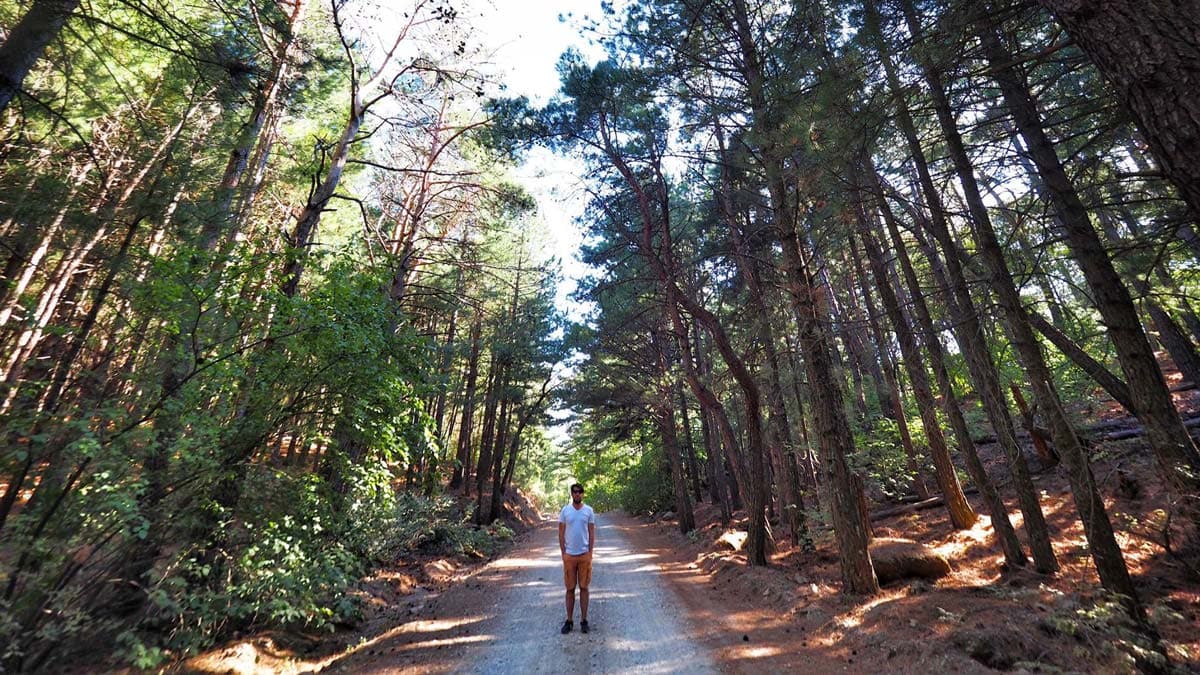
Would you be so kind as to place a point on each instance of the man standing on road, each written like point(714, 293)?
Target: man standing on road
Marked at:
point(576, 540)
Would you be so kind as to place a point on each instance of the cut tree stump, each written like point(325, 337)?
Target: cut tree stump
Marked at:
point(733, 540)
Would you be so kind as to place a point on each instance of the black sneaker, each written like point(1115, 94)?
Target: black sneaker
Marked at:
point(583, 627)
point(567, 625)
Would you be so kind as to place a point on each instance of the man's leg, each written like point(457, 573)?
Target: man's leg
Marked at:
point(584, 576)
point(571, 603)
point(571, 579)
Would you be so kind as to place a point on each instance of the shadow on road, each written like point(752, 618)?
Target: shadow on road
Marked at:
point(506, 619)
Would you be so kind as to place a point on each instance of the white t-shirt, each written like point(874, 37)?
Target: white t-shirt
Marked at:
point(577, 521)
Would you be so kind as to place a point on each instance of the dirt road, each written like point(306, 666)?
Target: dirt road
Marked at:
point(506, 619)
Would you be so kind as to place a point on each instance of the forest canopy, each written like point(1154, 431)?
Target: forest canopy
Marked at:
point(263, 287)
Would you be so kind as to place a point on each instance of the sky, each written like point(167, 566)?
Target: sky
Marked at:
point(523, 40)
point(526, 37)
point(515, 45)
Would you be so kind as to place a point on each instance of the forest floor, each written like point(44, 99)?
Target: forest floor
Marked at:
point(441, 616)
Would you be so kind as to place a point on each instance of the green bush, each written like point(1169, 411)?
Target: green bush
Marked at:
point(441, 525)
point(286, 560)
point(881, 456)
point(646, 486)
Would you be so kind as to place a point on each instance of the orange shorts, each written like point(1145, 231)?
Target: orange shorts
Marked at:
point(577, 569)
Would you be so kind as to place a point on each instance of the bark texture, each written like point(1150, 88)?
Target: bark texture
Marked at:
point(1176, 452)
point(1148, 50)
point(27, 41)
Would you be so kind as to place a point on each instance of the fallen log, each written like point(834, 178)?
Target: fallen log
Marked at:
point(1021, 434)
point(908, 508)
point(1107, 425)
point(1124, 435)
point(1134, 432)
point(928, 503)
point(1102, 431)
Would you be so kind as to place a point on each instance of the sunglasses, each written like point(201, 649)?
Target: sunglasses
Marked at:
point(576, 492)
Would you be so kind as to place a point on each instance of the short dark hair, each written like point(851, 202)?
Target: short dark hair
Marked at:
point(576, 486)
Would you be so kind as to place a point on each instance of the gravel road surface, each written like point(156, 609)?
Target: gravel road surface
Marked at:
point(634, 618)
point(506, 619)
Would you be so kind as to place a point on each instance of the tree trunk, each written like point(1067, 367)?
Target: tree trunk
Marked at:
point(834, 437)
point(462, 466)
point(496, 381)
point(1172, 337)
point(515, 448)
point(223, 224)
point(652, 200)
point(961, 513)
point(872, 358)
point(65, 285)
point(717, 484)
point(1147, 50)
point(839, 327)
point(1112, 385)
point(1177, 455)
point(13, 291)
point(103, 210)
point(749, 263)
point(318, 200)
point(445, 369)
point(756, 488)
point(1008, 297)
point(798, 396)
point(726, 436)
point(505, 425)
point(664, 417)
point(689, 444)
point(950, 404)
point(889, 373)
point(1181, 350)
point(1044, 452)
point(958, 299)
point(27, 41)
point(834, 443)
point(1104, 549)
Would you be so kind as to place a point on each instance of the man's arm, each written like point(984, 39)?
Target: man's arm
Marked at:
point(591, 537)
point(562, 537)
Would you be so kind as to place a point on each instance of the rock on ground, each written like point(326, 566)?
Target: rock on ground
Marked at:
point(906, 559)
